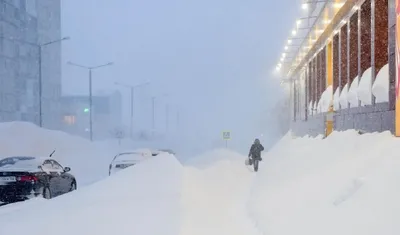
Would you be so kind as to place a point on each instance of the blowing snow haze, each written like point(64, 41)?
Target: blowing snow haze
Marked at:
point(213, 59)
point(185, 117)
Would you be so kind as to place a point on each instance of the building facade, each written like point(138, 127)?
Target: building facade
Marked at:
point(345, 65)
point(106, 115)
point(24, 24)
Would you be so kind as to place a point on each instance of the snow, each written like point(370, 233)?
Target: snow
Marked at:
point(317, 188)
point(88, 161)
point(214, 195)
point(126, 203)
point(352, 96)
point(380, 89)
point(18, 163)
point(336, 99)
point(344, 184)
point(364, 89)
point(304, 186)
point(326, 99)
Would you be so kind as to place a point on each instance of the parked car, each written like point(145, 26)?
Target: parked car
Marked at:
point(167, 151)
point(128, 159)
point(24, 177)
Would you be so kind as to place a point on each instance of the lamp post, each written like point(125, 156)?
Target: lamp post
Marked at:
point(90, 91)
point(40, 46)
point(153, 99)
point(132, 88)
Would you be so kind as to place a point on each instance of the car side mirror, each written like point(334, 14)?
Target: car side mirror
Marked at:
point(67, 169)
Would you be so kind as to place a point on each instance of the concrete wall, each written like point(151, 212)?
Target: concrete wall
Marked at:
point(376, 118)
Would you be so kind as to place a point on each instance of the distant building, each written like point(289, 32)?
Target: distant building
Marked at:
point(23, 25)
point(107, 115)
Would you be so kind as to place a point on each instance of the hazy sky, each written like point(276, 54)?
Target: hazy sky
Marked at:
point(213, 57)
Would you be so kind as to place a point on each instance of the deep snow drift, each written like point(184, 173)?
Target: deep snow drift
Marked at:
point(88, 161)
point(214, 195)
point(144, 199)
point(345, 184)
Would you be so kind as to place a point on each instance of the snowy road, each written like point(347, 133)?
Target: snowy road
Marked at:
point(222, 188)
point(301, 188)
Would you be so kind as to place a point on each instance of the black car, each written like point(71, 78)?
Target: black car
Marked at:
point(24, 177)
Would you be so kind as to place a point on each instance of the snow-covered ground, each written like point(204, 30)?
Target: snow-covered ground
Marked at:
point(345, 184)
point(144, 199)
point(88, 161)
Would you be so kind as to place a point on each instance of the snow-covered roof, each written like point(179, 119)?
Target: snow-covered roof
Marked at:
point(17, 163)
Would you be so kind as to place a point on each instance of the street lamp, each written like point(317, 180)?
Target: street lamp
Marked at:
point(90, 91)
point(153, 99)
point(40, 46)
point(132, 88)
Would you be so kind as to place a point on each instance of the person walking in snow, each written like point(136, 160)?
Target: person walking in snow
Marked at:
point(255, 150)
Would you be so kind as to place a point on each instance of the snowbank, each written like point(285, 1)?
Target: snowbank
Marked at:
point(144, 199)
point(345, 184)
point(89, 161)
point(214, 195)
point(213, 157)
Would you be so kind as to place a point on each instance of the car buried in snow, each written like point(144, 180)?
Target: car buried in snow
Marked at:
point(128, 158)
point(169, 151)
point(25, 177)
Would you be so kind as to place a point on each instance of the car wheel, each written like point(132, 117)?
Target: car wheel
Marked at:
point(46, 193)
point(73, 186)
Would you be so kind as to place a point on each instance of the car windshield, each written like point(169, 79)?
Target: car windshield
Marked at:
point(133, 156)
point(19, 162)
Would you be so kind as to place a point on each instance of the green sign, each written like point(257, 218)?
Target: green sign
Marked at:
point(226, 135)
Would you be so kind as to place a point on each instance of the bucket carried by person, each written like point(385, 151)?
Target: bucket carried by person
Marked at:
point(248, 162)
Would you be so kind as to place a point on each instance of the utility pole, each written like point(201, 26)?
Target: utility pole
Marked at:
point(132, 100)
point(167, 118)
point(177, 119)
point(90, 91)
point(132, 90)
point(40, 88)
point(153, 111)
point(90, 105)
point(40, 46)
point(153, 99)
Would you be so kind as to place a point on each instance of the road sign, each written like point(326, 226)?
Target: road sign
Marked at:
point(226, 135)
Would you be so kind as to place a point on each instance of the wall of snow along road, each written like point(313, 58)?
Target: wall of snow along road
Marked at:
point(144, 199)
point(89, 161)
point(345, 184)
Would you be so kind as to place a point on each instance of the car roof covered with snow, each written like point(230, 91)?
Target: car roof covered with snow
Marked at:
point(167, 151)
point(144, 151)
point(22, 163)
point(130, 157)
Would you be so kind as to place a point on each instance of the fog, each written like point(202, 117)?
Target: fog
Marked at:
point(214, 59)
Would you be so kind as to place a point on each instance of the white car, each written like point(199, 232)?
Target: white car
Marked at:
point(127, 159)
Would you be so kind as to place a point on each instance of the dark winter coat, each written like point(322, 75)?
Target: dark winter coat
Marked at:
point(255, 150)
